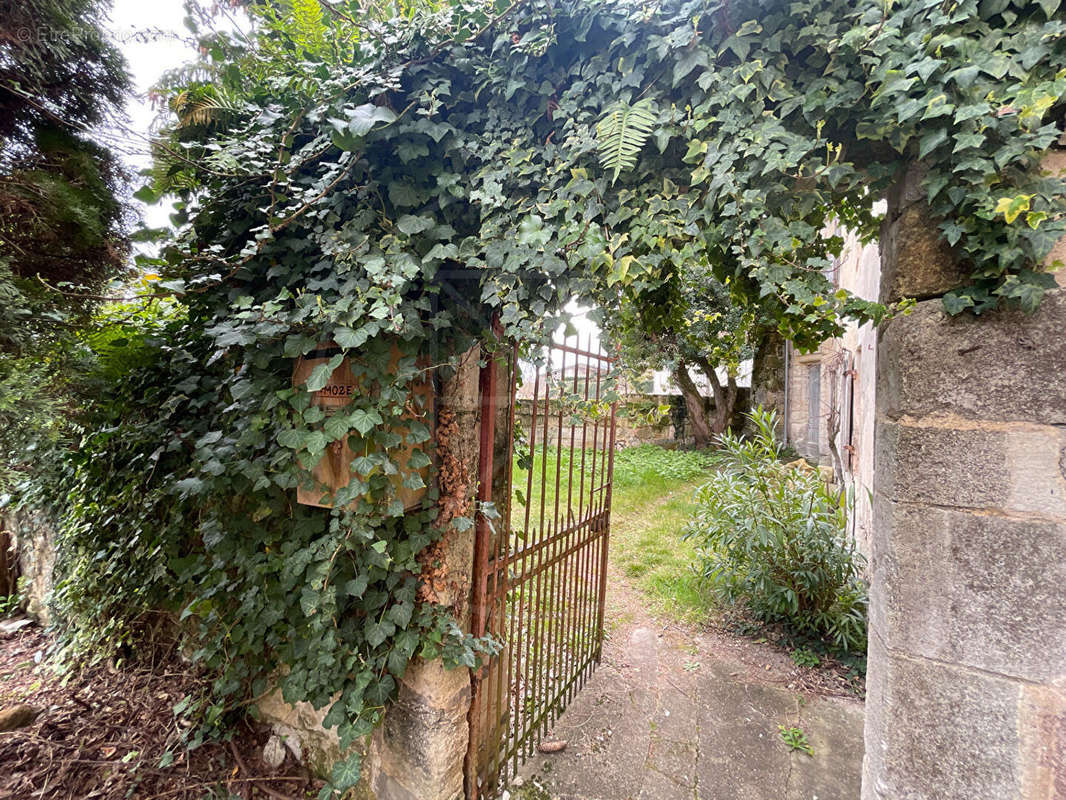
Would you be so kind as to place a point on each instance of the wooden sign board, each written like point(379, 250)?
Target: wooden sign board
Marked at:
point(333, 471)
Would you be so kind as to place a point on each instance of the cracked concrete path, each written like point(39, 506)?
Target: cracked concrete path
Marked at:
point(671, 714)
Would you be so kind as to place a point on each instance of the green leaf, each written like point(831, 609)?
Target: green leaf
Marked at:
point(930, 141)
point(1011, 207)
point(147, 194)
point(375, 633)
point(621, 134)
point(1050, 7)
point(411, 225)
point(401, 614)
point(346, 773)
point(418, 460)
point(356, 587)
point(349, 338)
point(336, 715)
point(365, 421)
point(321, 374)
point(363, 118)
point(336, 426)
point(292, 438)
point(402, 194)
point(955, 302)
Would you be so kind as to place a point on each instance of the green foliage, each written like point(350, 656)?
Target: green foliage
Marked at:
point(795, 738)
point(804, 657)
point(61, 216)
point(390, 176)
point(646, 462)
point(775, 538)
point(622, 133)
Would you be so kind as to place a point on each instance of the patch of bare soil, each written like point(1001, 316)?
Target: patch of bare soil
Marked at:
point(104, 734)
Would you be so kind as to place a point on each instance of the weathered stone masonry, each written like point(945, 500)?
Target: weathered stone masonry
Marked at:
point(966, 693)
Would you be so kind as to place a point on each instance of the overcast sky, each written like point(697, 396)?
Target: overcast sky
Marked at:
point(153, 40)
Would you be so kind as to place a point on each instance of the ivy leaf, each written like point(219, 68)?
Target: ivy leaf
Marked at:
point(336, 426)
point(364, 117)
point(375, 633)
point(531, 231)
point(1011, 207)
point(930, 141)
point(1034, 218)
point(189, 486)
point(336, 715)
point(418, 460)
point(365, 421)
point(350, 338)
point(1028, 293)
point(346, 773)
point(1050, 7)
point(321, 374)
point(955, 302)
point(411, 225)
point(401, 614)
point(402, 194)
point(356, 587)
point(292, 438)
point(315, 442)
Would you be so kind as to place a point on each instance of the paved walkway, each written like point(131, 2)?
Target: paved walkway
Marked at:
point(672, 715)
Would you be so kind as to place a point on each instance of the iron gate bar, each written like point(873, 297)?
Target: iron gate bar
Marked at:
point(541, 588)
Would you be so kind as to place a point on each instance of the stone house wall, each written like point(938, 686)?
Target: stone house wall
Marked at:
point(966, 692)
point(843, 370)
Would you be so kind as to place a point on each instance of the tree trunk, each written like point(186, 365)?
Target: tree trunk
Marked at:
point(725, 397)
point(694, 405)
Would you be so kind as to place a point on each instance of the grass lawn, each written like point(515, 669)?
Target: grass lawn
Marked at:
point(652, 500)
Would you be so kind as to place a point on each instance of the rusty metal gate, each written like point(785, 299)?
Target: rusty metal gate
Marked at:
point(540, 569)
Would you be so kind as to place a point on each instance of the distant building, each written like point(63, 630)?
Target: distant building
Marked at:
point(829, 395)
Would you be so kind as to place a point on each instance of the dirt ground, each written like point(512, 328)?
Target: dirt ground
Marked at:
point(110, 734)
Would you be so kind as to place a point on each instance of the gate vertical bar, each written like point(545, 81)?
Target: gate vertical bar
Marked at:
point(540, 577)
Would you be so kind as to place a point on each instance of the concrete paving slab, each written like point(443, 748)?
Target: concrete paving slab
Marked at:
point(663, 719)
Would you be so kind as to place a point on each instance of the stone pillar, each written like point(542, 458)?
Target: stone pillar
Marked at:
point(966, 693)
point(419, 750)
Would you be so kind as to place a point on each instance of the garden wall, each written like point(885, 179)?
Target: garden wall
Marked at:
point(33, 541)
point(418, 752)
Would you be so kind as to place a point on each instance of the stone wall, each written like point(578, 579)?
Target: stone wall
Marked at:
point(966, 694)
point(768, 376)
point(33, 540)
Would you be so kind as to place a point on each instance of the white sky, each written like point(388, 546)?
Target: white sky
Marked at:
point(153, 40)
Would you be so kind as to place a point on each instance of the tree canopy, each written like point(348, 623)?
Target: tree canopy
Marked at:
point(62, 218)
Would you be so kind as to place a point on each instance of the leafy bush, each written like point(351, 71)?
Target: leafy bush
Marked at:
point(774, 538)
point(647, 461)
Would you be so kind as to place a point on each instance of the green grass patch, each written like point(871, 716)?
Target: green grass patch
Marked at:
point(647, 547)
point(652, 500)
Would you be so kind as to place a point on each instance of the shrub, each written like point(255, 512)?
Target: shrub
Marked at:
point(774, 538)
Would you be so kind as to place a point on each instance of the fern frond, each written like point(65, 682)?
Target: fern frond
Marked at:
point(622, 133)
point(204, 105)
point(308, 26)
